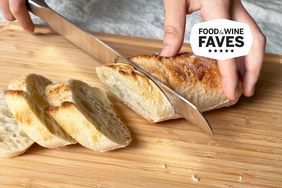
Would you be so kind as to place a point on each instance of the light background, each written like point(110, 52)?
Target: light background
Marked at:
point(144, 18)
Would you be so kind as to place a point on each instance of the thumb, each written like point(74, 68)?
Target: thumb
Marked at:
point(174, 27)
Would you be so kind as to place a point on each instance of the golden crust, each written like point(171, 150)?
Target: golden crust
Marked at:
point(125, 70)
point(23, 116)
point(67, 104)
point(56, 90)
point(50, 109)
point(196, 78)
point(182, 69)
point(53, 109)
point(14, 92)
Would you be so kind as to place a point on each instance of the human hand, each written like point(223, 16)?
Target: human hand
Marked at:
point(248, 66)
point(16, 10)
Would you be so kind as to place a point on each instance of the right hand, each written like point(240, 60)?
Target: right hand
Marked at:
point(16, 10)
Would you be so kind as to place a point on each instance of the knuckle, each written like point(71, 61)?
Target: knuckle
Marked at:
point(259, 37)
point(172, 35)
point(171, 30)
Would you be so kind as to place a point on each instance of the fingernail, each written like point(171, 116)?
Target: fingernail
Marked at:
point(165, 51)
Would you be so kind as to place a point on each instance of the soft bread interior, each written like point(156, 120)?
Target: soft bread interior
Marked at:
point(96, 106)
point(98, 127)
point(136, 91)
point(26, 100)
point(13, 141)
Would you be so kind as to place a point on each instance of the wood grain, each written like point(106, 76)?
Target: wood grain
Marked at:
point(246, 150)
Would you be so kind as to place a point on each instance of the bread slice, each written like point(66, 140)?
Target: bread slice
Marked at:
point(136, 91)
point(13, 141)
point(87, 115)
point(26, 101)
point(196, 78)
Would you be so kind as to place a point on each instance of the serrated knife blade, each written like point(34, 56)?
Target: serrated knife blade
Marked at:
point(105, 54)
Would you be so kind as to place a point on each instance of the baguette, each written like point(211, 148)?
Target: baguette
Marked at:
point(13, 141)
point(87, 115)
point(196, 78)
point(26, 100)
point(136, 91)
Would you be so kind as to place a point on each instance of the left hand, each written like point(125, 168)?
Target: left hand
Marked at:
point(249, 66)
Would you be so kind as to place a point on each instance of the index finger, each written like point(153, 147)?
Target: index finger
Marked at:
point(175, 17)
point(20, 12)
point(4, 5)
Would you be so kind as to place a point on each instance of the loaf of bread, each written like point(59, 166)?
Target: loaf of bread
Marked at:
point(26, 100)
point(196, 78)
point(13, 141)
point(87, 115)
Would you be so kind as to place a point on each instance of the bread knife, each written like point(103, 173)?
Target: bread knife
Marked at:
point(105, 54)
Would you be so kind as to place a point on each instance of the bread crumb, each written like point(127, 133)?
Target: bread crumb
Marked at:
point(195, 178)
point(240, 178)
point(164, 166)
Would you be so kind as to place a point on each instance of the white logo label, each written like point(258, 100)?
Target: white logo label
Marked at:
point(221, 39)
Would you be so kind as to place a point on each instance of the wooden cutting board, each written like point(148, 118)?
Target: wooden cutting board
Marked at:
point(246, 150)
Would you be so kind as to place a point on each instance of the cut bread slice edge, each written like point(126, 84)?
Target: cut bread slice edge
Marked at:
point(87, 115)
point(26, 100)
point(136, 91)
point(13, 141)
